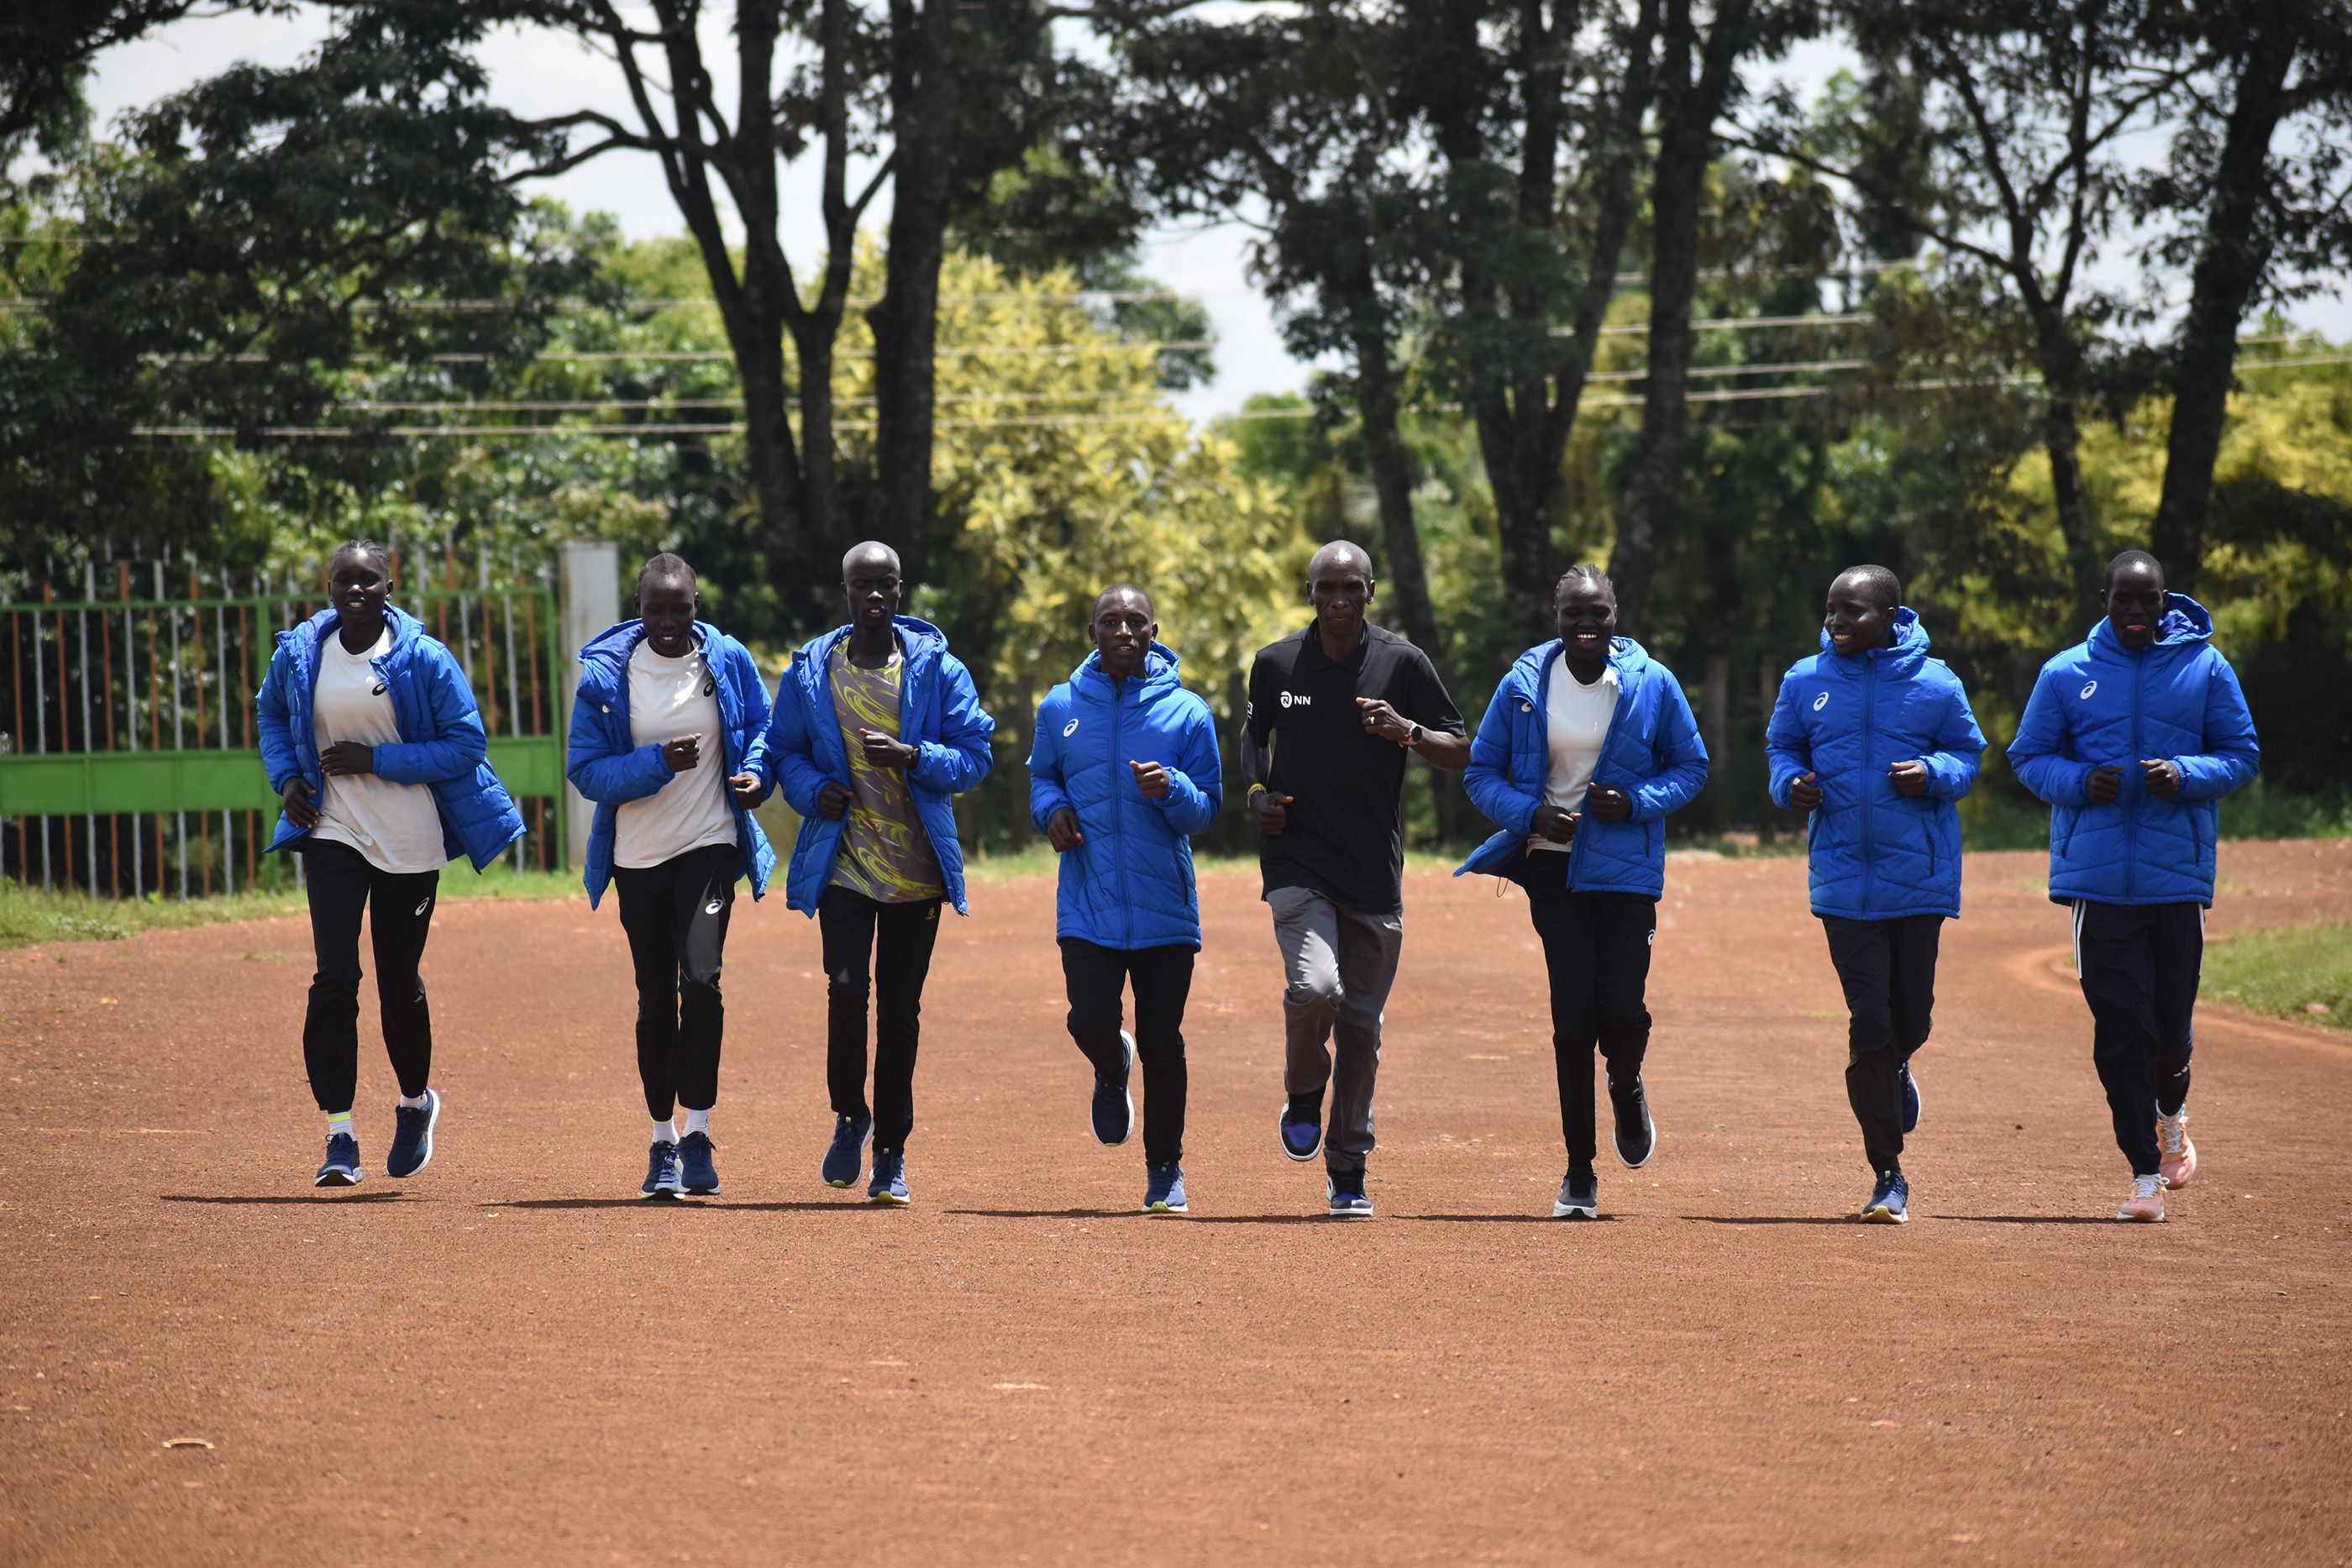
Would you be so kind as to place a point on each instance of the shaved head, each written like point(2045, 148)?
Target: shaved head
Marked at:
point(871, 553)
point(1115, 589)
point(2136, 563)
point(1876, 582)
point(1340, 556)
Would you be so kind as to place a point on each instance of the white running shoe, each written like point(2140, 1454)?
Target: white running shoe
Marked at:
point(2179, 1161)
point(2145, 1204)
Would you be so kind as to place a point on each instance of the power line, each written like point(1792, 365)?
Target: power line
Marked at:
point(665, 356)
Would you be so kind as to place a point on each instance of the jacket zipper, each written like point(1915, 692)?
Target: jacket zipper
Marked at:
point(1869, 761)
point(2131, 816)
point(1118, 814)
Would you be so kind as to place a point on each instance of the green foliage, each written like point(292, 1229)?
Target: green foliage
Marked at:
point(2284, 973)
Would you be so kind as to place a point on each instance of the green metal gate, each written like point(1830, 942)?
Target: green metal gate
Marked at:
point(129, 764)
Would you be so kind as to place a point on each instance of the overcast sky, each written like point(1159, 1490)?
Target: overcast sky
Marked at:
point(546, 73)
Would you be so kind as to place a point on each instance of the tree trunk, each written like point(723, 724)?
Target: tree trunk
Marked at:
point(1392, 466)
point(905, 321)
point(2230, 265)
point(2062, 438)
point(1646, 515)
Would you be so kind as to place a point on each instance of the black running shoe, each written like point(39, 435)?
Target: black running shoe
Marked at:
point(696, 1172)
point(1579, 1197)
point(661, 1171)
point(342, 1166)
point(411, 1136)
point(1345, 1190)
point(1910, 1086)
point(1302, 1126)
point(848, 1150)
point(1637, 1134)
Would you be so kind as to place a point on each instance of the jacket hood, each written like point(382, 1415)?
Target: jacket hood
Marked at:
point(405, 628)
point(921, 639)
point(1625, 656)
point(2184, 622)
point(608, 653)
point(1159, 671)
point(1908, 649)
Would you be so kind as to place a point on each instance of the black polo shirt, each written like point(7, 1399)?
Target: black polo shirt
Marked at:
point(1345, 837)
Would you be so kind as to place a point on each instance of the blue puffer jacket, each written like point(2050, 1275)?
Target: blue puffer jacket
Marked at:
point(1129, 884)
point(1652, 752)
point(1875, 854)
point(441, 742)
point(607, 768)
point(2100, 702)
point(803, 751)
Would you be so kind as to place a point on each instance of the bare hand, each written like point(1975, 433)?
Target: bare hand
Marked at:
point(1062, 830)
point(1555, 823)
point(1608, 803)
point(1272, 811)
point(2106, 785)
point(833, 801)
point(881, 751)
point(1151, 778)
point(1384, 721)
point(1805, 794)
point(677, 756)
point(300, 810)
point(748, 789)
point(2161, 775)
point(1910, 778)
point(348, 758)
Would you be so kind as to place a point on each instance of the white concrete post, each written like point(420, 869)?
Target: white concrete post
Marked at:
point(592, 602)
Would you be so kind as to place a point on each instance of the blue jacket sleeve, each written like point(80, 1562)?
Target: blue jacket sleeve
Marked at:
point(1487, 779)
point(1047, 791)
point(752, 693)
point(2038, 756)
point(959, 758)
point(1196, 778)
point(1959, 749)
point(2231, 756)
point(1786, 751)
point(607, 776)
point(783, 755)
point(270, 715)
point(1682, 754)
point(459, 744)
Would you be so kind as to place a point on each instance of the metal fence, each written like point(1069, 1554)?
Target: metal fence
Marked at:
point(129, 764)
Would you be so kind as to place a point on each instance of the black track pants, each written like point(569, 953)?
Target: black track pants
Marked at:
point(341, 887)
point(676, 915)
point(2140, 964)
point(1888, 970)
point(1597, 952)
point(1095, 978)
point(892, 943)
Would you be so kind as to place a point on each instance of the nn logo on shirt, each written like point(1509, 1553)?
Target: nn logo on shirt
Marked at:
point(1296, 699)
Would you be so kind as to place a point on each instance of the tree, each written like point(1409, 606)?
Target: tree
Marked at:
point(45, 54)
point(2254, 220)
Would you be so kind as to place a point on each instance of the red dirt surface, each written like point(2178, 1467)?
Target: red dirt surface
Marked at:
point(509, 1359)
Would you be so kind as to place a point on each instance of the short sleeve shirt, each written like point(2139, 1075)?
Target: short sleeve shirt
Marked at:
point(670, 699)
point(884, 853)
point(1345, 836)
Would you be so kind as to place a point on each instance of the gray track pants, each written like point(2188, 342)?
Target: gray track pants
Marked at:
point(1338, 964)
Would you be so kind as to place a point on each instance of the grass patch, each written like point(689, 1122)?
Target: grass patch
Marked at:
point(28, 914)
point(2284, 972)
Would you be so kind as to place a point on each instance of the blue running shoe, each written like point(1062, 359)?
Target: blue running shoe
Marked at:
point(1347, 1194)
point(661, 1171)
point(1302, 1127)
point(696, 1171)
point(889, 1183)
point(1580, 1197)
point(1114, 1108)
point(1888, 1200)
point(342, 1166)
point(1910, 1099)
point(1164, 1190)
point(412, 1139)
point(848, 1151)
point(1637, 1134)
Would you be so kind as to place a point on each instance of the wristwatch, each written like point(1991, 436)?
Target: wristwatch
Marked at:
point(1413, 736)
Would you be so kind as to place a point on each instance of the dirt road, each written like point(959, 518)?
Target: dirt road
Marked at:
point(508, 1359)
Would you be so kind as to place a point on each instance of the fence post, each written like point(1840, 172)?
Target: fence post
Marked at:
point(592, 602)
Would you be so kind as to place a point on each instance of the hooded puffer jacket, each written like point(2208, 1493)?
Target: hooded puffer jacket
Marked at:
point(1130, 884)
point(803, 751)
point(607, 768)
point(1652, 752)
point(2100, 702)
point(1875, 854)
point(441, 743)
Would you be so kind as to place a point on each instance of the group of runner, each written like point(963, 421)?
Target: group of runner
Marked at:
point(371, 736)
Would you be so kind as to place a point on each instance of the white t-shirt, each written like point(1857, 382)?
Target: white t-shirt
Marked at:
point(670, 699)
point(395, 827)
point(1576, 721)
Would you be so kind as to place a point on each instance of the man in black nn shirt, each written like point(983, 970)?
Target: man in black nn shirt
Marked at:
point(1332, 711)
